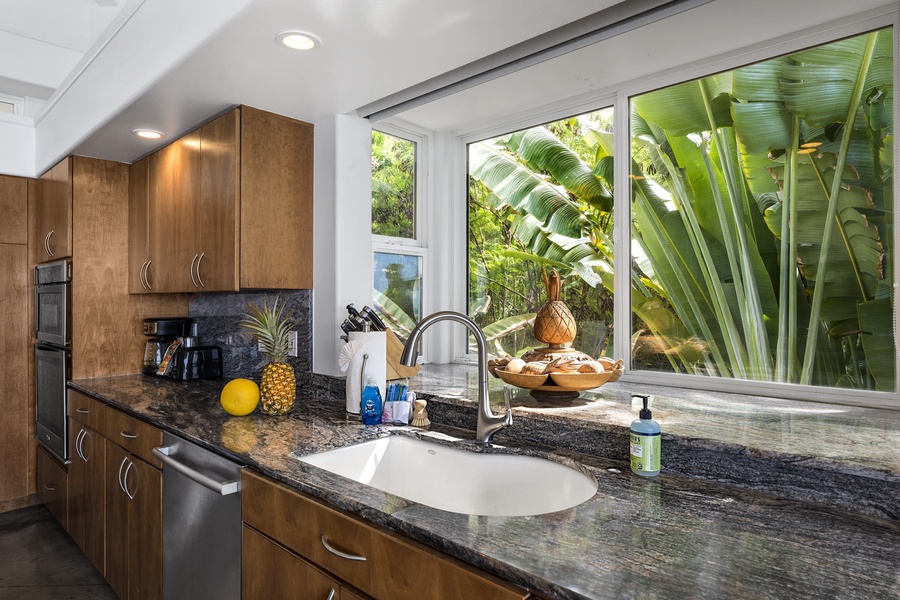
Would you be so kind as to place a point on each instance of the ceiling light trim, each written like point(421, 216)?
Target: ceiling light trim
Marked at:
point(298, 40)
point(148, 134)
point(607, 23)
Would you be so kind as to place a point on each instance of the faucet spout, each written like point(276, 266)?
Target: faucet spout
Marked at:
point(488, 423)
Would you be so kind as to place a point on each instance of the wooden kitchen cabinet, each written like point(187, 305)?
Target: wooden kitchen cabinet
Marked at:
point(269, 570)
point(52, 480)
point(115, 496)
point(133, 526)
point(226, 207)
point(53, 213)
point(386, 566)
point(87, 492)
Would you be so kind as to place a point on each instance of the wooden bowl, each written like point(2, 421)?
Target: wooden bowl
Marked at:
point(580, 381)
point(529, 382)
point(615, 375)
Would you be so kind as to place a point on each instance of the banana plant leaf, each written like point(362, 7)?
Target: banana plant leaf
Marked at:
point(543, 150)
point(681, 109)
point(498, 329)
point(876, 320)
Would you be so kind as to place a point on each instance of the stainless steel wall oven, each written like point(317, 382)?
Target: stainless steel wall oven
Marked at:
point(52, 353)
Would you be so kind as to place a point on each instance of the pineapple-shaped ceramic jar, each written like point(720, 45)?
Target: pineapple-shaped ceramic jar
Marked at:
point(271, 328)
point(554, 324)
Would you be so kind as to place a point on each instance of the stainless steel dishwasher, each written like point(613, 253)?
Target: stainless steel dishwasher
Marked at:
point(201, 522)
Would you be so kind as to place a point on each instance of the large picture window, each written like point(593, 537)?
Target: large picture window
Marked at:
point(763, 220)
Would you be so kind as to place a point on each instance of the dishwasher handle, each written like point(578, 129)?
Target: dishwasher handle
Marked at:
point(220, 487)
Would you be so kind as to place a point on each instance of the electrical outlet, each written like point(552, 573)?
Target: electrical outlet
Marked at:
point(292, 344)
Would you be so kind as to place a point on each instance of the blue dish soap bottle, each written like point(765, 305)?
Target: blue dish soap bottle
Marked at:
point(645, 438)
point(371, 402)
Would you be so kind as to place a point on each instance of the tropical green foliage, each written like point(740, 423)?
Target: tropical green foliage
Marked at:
point(393, 186)
point(762, 219)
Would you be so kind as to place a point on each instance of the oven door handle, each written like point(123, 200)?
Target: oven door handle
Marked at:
point(163, 454)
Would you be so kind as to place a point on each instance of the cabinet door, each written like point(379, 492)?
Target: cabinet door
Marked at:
point(276, 204)
point(216, 268)
point(174, 189)
point(52, 480)
point(53, 213)
point(269, 570)
point(117, 505)
point(87, 492)
point(140, 267)
point(144, 484)
point(133, 526)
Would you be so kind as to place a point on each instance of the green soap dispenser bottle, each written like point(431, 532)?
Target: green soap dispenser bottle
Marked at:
point(644, 442)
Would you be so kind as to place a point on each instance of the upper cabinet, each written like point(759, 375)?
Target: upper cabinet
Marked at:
point(226, 207)
point(53, 208)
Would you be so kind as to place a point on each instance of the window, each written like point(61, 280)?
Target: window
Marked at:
point(734, 181)
point(397, 228)
point(540, 200)
point(763, 220)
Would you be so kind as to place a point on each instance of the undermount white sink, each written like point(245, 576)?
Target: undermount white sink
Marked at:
point(472, 483)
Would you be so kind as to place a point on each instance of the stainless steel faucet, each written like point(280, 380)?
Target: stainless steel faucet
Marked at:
point(488, 422)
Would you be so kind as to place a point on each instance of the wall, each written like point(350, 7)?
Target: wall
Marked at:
point(218, 318)
point(342, 271)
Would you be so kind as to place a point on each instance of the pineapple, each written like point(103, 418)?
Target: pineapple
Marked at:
point(554, 323)
point(271, 329)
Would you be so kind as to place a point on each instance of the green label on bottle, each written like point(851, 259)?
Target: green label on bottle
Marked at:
point(645, 451)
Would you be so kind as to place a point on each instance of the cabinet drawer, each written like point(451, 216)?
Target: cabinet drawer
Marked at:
point(385, 566)
point(85, 409)
point(52, 482)
point(132, 434)
point(271, 571)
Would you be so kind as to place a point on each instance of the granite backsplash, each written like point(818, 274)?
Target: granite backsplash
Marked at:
point(218, 316)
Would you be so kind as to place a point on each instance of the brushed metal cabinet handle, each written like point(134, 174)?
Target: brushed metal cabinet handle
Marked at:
point(337, 552)
point(125, 480)
point(147, 274)
point(47, 244)
point(49, 487)
point(82, 411)
point(121, 466)
point(330, 595)
point(49, 247)
point(191, 270)
point(127, 435)
point(141, 275)
point(200, 260)
point(78, 440)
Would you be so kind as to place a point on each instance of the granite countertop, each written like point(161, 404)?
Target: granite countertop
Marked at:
point(694, 531)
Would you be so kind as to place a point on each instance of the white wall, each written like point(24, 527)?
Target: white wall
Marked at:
point(16, 146)
point(342, 238)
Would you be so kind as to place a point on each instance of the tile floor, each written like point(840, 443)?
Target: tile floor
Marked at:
point(39, 561)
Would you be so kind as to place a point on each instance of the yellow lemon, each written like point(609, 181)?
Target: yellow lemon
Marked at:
point(240, 397)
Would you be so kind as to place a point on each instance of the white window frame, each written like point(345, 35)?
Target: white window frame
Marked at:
point(417, 246)
point(619, 97)
point(16, 101)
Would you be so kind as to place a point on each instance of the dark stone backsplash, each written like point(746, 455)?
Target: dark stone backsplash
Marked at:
point(218, 316)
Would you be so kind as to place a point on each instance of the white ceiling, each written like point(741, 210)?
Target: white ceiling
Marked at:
point(171, 64)
point(370, 49)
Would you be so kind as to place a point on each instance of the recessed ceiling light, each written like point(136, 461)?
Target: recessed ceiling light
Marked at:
point(148, 134)
point(298, 40)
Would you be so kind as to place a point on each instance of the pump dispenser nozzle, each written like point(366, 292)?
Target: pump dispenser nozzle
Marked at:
point(645, 412)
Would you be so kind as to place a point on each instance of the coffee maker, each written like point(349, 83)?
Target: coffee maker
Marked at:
point(161, 335)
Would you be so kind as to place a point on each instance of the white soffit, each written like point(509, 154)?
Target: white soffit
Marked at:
point(668, 46)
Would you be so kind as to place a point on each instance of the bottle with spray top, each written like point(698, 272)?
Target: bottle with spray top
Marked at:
point(644, 442)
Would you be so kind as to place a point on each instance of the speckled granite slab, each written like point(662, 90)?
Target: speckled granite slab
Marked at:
point(670, 537)
point(843, 456)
